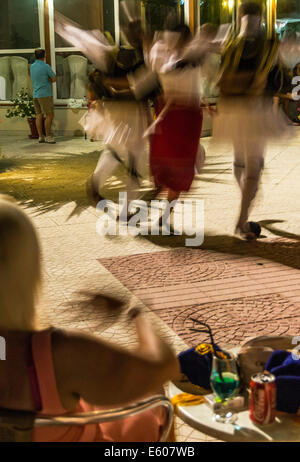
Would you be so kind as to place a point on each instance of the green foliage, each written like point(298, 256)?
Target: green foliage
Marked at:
point(22, 106)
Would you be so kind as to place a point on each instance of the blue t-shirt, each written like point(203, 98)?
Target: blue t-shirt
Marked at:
point(40, 73)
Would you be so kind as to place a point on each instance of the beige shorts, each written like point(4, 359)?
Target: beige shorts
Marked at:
point(43, 105)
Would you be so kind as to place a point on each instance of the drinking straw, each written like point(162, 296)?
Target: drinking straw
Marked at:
point(206, 331)
point(211, 339)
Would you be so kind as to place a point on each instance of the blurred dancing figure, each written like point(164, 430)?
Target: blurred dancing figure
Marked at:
point(120, 120)
point(246, 116)
point(181, 63)
point(175, 141)
point(121, 114)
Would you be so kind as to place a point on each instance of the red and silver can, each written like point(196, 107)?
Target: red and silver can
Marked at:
point(262, 398)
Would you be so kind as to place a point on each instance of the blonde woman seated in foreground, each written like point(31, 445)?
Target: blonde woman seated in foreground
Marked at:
point(57, 371)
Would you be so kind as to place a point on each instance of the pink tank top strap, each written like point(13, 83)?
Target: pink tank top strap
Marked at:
point(43, 383)
point(44, 370)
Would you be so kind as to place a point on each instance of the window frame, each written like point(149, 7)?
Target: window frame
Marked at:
point(23, 51)
point(54, 50)
point(186, 11)
point(47, 32)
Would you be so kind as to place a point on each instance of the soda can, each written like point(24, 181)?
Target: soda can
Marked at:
point(262, 398)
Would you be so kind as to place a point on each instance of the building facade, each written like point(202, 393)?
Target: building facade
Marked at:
point(29, 24)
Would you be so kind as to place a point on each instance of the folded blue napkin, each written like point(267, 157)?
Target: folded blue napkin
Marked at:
point(286, 368)
point(196, 364)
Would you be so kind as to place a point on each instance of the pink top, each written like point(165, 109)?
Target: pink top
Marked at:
point(141, 428)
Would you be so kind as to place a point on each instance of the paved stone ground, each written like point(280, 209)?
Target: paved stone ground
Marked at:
point(240, 297)
point(254, 287)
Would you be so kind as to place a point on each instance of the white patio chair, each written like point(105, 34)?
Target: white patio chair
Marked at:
point(5, 73)
point(62, 78)
point(78, 73)
point(19, 67)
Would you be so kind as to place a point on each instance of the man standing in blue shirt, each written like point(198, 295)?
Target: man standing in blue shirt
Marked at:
point(42, 77)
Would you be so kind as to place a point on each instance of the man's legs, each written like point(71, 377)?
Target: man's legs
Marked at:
point(48, 109)
point(39, 119)
point(39, 125)
point(48, 123)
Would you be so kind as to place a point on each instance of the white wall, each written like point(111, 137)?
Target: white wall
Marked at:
point(66, 122)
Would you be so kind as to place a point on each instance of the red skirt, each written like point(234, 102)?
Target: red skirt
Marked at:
point(174, 146)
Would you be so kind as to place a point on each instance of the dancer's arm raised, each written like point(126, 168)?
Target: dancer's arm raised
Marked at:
point(105, 374)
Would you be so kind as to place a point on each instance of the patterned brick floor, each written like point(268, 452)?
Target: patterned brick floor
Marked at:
point(239, 296)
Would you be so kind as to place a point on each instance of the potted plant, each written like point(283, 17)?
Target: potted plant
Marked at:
point(23, 107)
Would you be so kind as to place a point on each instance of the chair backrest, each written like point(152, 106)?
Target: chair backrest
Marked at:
point(5, 65)
point(18, 62)
point(77, 59)
point(17, 426)
point(5, 78)
point(19, 68)
point(59, 65)
point(78, 65)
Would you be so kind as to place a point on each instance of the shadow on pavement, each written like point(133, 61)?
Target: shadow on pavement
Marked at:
point(48, 183)
point(284, 250)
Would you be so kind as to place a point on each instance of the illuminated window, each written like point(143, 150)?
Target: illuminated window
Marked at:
point(21, 32)
point(71, 67)
point(19, 24)
point(288, 9)
point(216, 11)
point(87, 13)
point(288, 18)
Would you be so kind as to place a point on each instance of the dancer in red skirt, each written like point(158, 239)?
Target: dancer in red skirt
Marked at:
point(175, 142)
point(174, 148)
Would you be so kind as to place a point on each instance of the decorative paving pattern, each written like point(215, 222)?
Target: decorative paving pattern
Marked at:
point(236, 320)
point(240, 296)
point(202, 266)
point(172, 266)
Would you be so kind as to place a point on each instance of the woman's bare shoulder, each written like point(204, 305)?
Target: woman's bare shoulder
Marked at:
point(74, 357)
point(88, 367)
point(75, 350)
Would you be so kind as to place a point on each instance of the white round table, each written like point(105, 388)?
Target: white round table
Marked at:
point(285, 428)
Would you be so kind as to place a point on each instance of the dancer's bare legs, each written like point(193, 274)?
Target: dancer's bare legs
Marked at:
point(247, 168)
point(171, 197)
point(106, 166)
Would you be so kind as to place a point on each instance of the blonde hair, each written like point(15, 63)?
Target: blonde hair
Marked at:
point(20, 271)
